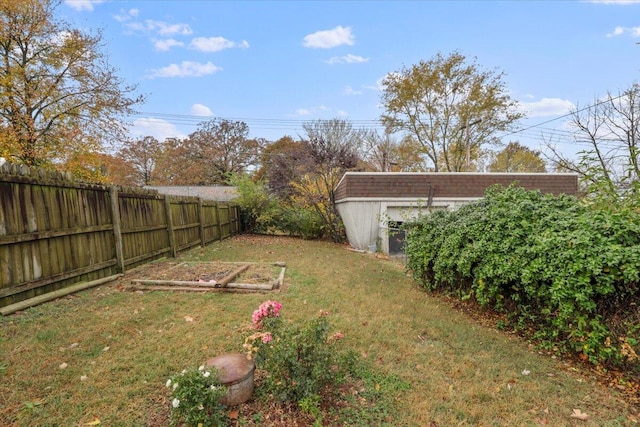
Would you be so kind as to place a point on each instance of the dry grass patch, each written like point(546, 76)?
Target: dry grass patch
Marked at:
point(120, 347)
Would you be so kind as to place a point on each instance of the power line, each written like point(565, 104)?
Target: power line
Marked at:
point(604, 101)
point(367, 124)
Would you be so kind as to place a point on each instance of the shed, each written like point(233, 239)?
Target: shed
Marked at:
point(373, 205)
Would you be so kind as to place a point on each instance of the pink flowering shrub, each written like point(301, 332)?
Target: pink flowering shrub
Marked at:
point(267, 309)
point(298, 360)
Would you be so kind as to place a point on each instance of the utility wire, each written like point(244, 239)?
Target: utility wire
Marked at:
point(367, 124)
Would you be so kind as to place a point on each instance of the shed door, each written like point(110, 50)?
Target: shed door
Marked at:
point(396, 238)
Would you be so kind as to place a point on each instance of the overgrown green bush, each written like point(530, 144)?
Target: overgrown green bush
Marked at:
point(566, 270)
point(263, 213)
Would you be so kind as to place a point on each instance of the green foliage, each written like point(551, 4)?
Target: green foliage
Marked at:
point(256, 206)
point(302, 364)
point(567, 270)
point(195, 398)
point(298, 221)
point(300, 360)
point(264, 214)
point(516, 157)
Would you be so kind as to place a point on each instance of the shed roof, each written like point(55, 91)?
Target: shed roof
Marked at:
point(380, 185)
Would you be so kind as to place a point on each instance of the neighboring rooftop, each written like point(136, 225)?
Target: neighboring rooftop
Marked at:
point(217, 193)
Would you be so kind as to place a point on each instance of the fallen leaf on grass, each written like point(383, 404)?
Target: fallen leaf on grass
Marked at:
point(63, 365)
point(93, 423)
point(578, 414)
point(188, 318)
point(233, 414)
point(526, 372)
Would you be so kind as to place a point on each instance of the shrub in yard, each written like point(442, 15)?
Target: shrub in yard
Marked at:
point(299, 361)
point(263, 213)
point(257, 207)
point(195, 398)
point(298, 221)
point(569, 271)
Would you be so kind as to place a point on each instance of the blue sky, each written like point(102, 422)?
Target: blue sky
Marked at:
point(276, 65)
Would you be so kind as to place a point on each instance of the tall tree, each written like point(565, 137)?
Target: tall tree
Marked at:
point(220, 148)
point(383, 153)
point(610, 129)
point(450, 106)
point(516, 157)
point(334, 147)
point(56, 86)
point(283, 162)
point(142, 154)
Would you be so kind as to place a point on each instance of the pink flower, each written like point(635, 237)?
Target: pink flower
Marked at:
point(266, 309)
point(266, 338)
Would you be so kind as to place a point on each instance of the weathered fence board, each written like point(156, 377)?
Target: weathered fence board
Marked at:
point(55, 232)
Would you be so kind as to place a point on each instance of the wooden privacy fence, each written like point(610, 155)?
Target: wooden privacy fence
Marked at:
point(55, 232)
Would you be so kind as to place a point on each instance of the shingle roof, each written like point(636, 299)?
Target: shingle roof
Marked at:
point(453, 184)
point(217, 193)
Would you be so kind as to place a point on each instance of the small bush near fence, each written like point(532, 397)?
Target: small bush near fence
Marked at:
point(564, 271)
point(262, 213)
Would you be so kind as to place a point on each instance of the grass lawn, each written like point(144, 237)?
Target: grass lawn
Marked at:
point(104, 355)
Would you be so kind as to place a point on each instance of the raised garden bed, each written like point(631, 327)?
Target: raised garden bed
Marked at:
point(215, 276)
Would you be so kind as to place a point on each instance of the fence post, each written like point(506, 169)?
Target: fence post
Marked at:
point(117, 228)
point(219, 221)
point(167, 208)
point(236, 209)
point(201, 218)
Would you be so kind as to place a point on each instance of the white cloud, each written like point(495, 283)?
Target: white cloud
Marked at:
point(165, 29)
point(126, 15)
point(547, 107)
point(165, 45)
point(318, 110)
point(215, 44)
point(201, 110)
point(618, 31)
point(342, 113)
point(329, 38)
point(158, 128)
point(160, 27)
point(185, 69)
point(348, 90)
point(81, 5)
point(379, 87)
point(347, 59)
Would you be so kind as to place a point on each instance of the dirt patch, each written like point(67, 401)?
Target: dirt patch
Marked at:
point(214, 276)
point(216, 271)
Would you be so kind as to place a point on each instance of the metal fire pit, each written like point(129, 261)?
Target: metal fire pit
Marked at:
point(235, 372)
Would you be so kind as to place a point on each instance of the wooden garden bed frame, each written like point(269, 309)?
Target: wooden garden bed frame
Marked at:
point(226, 284)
